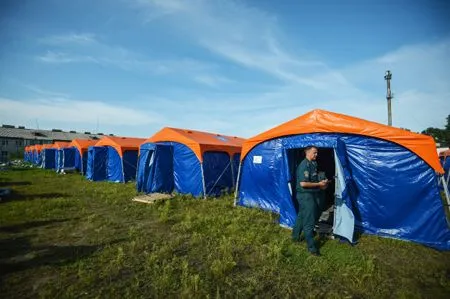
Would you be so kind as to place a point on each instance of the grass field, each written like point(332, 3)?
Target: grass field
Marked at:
point(62, 236)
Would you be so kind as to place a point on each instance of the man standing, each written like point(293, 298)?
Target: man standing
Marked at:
point(308, 188)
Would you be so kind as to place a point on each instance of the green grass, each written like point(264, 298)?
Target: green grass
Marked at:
point(62, 236)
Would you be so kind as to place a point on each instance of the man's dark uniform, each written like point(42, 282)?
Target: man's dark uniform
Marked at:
point(307, 201)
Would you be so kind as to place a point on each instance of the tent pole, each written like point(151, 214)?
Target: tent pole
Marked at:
point(203, 181)
point(63, 160)
point(232, 171)
point(123, 171)
point(237, 184)
point(447, 196)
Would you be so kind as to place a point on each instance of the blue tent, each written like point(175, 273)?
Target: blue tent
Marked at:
point(65, 158)
point(49, 158)
point(113, 159)
point(444, 158)
point(386, 182)
point(188, 162)
point(36, 155)
point(81, 147)
point(26, 154)
point(96, 163)
point(155, 168)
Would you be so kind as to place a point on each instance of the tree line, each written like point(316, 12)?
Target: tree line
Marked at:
point(441, 136)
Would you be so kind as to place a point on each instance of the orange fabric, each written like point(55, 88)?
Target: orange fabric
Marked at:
point(199, 142)
point(82, 145)
point(121, 144)
point(49, 145)
point(320, 121)
point(37, 148)
point(60, 144)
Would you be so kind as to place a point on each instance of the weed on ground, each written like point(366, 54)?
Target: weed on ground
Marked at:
point(62, 236)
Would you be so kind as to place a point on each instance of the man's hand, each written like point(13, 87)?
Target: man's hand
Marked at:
point(323, 184)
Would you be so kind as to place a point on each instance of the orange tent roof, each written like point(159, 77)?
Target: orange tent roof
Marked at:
point(48, 145)
point(60, 144)
point(121, 144)
point(199, 142)
point(82, 144)
point(321, 121)
point(37, 147)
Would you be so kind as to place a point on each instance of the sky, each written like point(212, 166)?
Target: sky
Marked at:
point(235, 67)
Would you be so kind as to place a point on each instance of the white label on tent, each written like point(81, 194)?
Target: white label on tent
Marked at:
point(257, 159)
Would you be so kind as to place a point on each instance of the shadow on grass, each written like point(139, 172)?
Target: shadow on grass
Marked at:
point(26, 256)
point(15, 196)
point(11, 184)
point(22, 168)
point(17, 228)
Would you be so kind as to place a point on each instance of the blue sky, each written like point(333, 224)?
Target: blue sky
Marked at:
point(131, 67)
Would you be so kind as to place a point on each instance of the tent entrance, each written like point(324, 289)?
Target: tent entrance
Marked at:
point(155, 169)
point(326, 167)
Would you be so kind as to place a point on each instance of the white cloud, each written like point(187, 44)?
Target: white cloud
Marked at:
point(212, 80)
point(242, 34)
point(66, 111)
point(71, 38)
point(250, 38)
point(87, 48)
point(60, 57)
point(43, 92)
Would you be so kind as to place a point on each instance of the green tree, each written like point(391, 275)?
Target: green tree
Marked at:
point(441, 136)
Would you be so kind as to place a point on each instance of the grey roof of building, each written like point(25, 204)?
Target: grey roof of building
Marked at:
point(44, 134)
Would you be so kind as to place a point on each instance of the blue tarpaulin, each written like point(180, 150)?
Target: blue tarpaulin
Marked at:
point(129, 162)
point(114, 169)
point(65, 158)
point(156, 174)
point(217, 172)
point(187, 172)
point(394, 193)
point(155, 168)
point(97, 163)
point(235, 165)
point(77, 160)
point(49, 158)
point(84, 160)
point(105, 163)
point(37, 157)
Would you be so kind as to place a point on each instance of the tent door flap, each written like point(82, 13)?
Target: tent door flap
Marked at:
point(344, 222)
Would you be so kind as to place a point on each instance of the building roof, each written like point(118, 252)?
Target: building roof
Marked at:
point(321, 121)
point(199, 142)
point(8, 132)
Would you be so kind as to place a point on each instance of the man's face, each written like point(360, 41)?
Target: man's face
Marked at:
point(312, 154)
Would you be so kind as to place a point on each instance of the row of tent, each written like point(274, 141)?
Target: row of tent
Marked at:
point(185, 161)
point(387, 181)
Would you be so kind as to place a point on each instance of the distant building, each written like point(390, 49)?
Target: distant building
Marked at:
point(14, 139)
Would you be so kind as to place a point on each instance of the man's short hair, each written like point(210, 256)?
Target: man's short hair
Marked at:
point(309, 147)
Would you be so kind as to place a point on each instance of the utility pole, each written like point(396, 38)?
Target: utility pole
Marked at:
point(388, 77)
